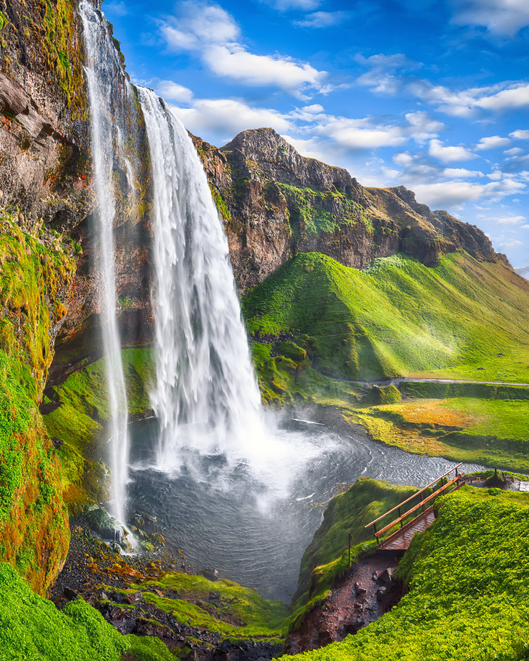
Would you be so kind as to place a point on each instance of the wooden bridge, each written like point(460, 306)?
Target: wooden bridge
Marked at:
point(422, 514)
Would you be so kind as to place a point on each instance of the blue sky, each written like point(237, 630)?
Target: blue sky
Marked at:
point(432, 94)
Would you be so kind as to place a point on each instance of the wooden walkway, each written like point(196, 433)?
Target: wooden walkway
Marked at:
point(422, 514)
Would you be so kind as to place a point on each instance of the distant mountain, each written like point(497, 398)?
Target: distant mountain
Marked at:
point(277, 203)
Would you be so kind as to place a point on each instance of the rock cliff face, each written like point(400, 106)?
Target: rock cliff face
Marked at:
point(276, 203)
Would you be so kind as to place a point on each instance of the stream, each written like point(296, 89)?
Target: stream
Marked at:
point(252, 520)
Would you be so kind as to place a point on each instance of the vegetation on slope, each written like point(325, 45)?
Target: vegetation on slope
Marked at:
point(492, 432)
point(463, 318)
point(80, 421)
point(32, 629)
point(240, 612)
point(469, 593)
point(35, 278)
point(327, 557)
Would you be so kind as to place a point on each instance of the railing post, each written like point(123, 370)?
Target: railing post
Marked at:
point(400, 516)
point(422, 498)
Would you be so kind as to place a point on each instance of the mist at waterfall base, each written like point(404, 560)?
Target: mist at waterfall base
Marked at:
point(253, 520)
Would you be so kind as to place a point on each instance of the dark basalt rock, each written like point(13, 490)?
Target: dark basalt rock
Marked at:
point(268, 191)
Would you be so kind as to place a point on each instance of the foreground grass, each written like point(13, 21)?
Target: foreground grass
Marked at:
point(32, 629)
point(469, 588)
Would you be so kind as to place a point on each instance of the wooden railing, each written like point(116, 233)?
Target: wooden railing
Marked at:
point(398, 508)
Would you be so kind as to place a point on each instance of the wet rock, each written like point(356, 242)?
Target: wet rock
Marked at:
point(386, 576)
point(210, 574)
point(70, 594)
point(359, 589)
point(381, 593)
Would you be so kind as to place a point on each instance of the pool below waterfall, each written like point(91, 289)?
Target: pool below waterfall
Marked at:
point(252, 521)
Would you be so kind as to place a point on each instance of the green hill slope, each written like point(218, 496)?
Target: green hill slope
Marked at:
point(469, 593)
point(461, 319)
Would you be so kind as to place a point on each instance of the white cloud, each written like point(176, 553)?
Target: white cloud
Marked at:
point(311, 148)
point(423, 127)
point(515, 151)
point(323, 19)
point(510, 244)
point(520, 134)
point(213, 34)
point(361, 133)
point(449, 154)
point(199, 25)
point(492, 142)
point(233, 61)
point(224, 118)
point(173, 91)
point(510, 220)
point(382, 75)
point(404, 159)
point(460, 173)
point(498, 16)
point(454, 193)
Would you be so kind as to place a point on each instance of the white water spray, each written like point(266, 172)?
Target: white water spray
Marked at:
point(206, 396)
point(103, 69)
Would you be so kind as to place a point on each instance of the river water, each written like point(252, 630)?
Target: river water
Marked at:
point(253, 521)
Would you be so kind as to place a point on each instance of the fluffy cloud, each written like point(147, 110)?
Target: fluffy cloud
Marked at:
point(323, 19)
point(510, 220)
point(173, 91)
point(498, 16)
point(454, 193)
point(224, 118)
point(520, 134)
point(492, 142)
point(390, 75)
point(461, 173)
point(210, 31)
point(233, 61)
point(449, 154)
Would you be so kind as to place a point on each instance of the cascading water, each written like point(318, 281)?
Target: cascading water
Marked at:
point(105, 81)
point(206, 397)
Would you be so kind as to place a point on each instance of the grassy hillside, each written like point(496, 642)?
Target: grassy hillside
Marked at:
point(327, 555)
point(461, 319)
point(469, 591)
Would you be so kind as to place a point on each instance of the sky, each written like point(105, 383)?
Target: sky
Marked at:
point(429, 94)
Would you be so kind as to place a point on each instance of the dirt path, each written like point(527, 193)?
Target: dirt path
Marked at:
point(365, 593)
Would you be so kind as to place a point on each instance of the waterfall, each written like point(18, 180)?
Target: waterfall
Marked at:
point(206, 396)
point(107, 86)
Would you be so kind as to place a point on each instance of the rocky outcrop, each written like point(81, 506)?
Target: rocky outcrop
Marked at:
point(277, 203)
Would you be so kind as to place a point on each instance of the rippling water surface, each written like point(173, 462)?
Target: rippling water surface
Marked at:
point(252, 520)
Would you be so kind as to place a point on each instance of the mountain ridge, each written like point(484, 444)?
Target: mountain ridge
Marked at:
point(277, 203)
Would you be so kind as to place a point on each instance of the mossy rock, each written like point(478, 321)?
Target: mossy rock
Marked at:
point(379, 396)
point(292, 351)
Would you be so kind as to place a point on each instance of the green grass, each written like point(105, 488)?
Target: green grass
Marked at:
point(32, 629)
point(469, 588)
point(80, 422)
point(492, 432)
point(309, 210)
point(242, 613)
point(500, 418)
point(399, 317)
point(327, 555)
